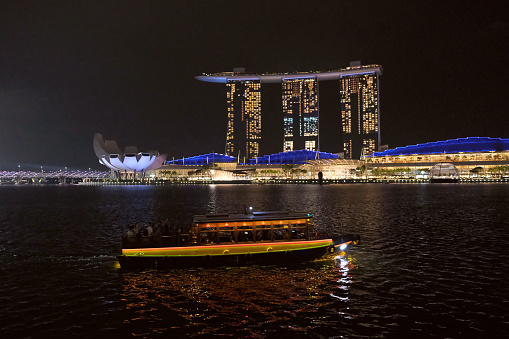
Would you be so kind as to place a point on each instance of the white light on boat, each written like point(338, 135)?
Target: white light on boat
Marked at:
point(343, 247)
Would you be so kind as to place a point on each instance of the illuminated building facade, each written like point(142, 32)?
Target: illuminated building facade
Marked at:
point(473, 156)
point(360, 114)
point(300, 114)
point(244, 129)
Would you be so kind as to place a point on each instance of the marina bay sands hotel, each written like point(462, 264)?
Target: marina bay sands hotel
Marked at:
point(360, 109)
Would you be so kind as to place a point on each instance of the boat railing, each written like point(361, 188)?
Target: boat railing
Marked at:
point(155, 241)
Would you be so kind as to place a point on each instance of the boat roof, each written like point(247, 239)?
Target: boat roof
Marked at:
point(252, 216)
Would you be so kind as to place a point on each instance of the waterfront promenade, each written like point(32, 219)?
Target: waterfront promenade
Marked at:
point(283, 182)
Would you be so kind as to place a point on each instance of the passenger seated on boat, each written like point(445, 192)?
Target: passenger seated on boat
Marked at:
point(131, 233)
point(143, 232)
point(150, 229)
point(132, 236)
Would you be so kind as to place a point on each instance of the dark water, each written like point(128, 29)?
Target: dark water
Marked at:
point(433, 262)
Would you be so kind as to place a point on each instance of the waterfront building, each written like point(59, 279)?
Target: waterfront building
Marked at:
point(244, 129)
point(300, 114)
point(360, 113)
point(130, 162)
point(473, 156)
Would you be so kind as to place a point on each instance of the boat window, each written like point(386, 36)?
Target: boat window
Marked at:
point(208, 233)
point(244, 235)
point(298, 234)
point(226, 234)
point(282, 233)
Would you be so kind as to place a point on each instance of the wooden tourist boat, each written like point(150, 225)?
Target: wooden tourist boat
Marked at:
point(234, 239)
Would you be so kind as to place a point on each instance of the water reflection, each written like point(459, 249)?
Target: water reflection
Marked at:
point(242, 301)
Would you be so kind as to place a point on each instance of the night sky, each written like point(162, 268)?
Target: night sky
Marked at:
point(69, 69)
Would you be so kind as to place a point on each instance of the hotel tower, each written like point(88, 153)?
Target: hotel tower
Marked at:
point(244, 130)
point(300, 114)
point(359, 114)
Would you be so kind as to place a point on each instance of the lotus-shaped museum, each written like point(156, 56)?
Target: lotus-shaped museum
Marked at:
point(130, 160)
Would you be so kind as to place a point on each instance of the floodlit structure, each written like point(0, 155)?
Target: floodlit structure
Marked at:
point(360, 109)
point(360, 113)
point(471, 156)
point(130, 161)
point(300, 110)
point(244, 118)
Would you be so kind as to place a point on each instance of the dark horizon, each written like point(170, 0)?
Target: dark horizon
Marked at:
point(126, 70)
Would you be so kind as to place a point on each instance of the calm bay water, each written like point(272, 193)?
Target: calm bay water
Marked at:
point(433, 262)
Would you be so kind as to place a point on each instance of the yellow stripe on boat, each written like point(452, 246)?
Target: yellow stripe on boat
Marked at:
point(233, 249)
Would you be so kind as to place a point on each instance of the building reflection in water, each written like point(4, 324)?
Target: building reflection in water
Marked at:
point(252, 301)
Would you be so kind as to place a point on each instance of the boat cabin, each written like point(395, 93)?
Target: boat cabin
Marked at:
point(250, 227)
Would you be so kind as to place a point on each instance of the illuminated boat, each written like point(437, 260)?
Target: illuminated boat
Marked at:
point(235, 239)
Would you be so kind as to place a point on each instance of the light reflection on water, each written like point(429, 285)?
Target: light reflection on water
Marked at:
point(243, 301)
point(431, 263)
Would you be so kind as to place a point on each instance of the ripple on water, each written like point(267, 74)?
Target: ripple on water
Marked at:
point(431, 264)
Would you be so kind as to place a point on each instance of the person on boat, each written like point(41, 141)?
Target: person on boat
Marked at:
point(130, 232)
point(150, 229)
point(133, 231)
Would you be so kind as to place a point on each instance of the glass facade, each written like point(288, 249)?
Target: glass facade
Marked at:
point(244, 107)
point(300, 111)
point(360, 114)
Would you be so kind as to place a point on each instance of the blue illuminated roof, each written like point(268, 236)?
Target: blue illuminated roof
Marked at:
point(465, 145)
point(203, 159)
point(293, 157)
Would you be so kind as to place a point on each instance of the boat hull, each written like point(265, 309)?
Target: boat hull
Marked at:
point(228, 255)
